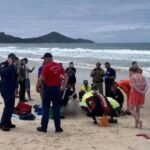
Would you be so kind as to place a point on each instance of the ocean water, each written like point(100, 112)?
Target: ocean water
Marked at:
point(86, 55)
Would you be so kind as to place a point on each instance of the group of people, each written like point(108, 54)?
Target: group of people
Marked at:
point(53, 80)
point(135, 89)
point(14, 74)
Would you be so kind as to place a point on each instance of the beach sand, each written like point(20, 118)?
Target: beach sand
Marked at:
point(79, 132)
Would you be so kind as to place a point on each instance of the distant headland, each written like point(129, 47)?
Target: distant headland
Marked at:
point(52, 37)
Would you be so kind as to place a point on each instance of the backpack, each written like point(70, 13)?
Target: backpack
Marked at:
point(22, 108)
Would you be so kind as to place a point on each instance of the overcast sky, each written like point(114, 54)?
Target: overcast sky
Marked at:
point(98, 20)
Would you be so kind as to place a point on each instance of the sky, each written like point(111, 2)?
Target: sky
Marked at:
point(98, 20)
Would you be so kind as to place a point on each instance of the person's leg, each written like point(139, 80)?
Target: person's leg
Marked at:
point(12, 105)
point(134, 114)
point(46, 106)
point(22, 91)
point(93, 117)
point(107, 90)
point(100, 85)
point(7, 112)
point(56, 107)
point(28, 89)
point(138, 113)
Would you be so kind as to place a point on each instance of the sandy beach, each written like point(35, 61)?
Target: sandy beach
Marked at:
point(79, 132)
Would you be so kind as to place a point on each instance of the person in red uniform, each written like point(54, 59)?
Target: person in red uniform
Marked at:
point(52, 76)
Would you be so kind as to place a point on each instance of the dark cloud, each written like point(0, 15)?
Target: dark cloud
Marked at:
point(102, 21)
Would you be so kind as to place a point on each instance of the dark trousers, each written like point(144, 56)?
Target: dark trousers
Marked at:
point(51, 94)
point(108, 90)
point(22, 90)
point(9, 101)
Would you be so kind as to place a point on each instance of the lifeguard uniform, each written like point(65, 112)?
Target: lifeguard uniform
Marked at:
point(86, 89)
point(52, 73)
point(86, 96)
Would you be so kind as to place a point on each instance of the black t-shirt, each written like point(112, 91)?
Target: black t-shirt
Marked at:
point(71, 74)
point(117, 95)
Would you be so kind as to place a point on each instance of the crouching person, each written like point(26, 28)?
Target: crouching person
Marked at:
point(98, 105)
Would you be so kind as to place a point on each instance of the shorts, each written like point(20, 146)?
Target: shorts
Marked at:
point(27, 83)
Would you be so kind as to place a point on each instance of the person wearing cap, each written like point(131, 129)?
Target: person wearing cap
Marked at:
point(110, 77)
point(97, 74)
point(8, 75)
point(51, 75)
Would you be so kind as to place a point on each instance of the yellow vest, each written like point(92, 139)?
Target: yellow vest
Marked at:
point(113, 102)
point(86, 89)
point(85, 97)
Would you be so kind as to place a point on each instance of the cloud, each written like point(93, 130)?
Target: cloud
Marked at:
point(76, 18)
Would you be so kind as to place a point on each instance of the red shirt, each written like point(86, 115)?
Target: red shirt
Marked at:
point(52, 72)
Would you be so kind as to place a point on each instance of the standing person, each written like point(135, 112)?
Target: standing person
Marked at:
point(137, 95)
point(8, 75)
point(51, 75)
point(27, 78)
point(110, 77)
point(71, 71)
point(97, 74)
point(21, 80)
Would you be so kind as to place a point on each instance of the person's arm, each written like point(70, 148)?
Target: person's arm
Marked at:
point(31, 70)
point(41, 79)
point(145, 89)
point(113, 75)
point(133, 85)
point(39, 83)
point(6, 71)
point(65, 81)
point(103, 74)
point(92, 73)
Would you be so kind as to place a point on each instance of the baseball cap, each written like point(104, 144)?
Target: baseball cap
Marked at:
point(46, 55)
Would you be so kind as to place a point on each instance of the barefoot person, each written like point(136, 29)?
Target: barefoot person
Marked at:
point(51, 75)
point(137, 95)
point(8, 75)
point(27, 78)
